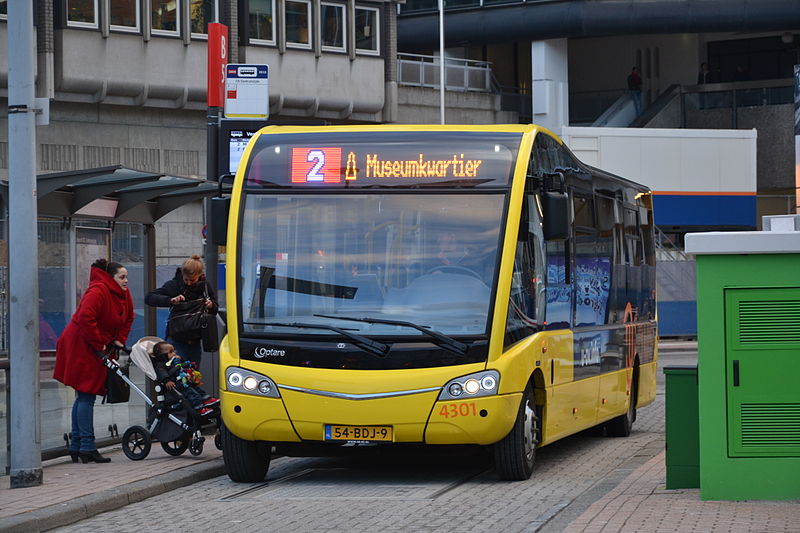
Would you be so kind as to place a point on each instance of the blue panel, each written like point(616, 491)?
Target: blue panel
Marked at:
point(704, 210)
point(677, 318)
point(221, 277)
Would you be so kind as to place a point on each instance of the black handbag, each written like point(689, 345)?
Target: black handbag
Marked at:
point(211, 335)
point(187, 320)
point(117, 389)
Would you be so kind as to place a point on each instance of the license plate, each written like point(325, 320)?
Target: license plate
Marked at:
point(360, 433)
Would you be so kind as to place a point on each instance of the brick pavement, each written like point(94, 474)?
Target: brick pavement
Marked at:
point(641, 503)
point(75, 490)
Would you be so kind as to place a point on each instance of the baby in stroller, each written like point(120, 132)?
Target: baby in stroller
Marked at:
point(180, 413)
point(175, 373)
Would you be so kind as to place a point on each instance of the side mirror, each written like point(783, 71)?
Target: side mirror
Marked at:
point(220, 207)
point(555, 215)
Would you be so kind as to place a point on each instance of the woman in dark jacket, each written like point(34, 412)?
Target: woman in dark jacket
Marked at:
point(103, 317)
point(188, 284)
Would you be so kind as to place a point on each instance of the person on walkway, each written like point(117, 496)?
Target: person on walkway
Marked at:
point(706, 75)
point(635, 89)
point(104, 317)
point(188, 284)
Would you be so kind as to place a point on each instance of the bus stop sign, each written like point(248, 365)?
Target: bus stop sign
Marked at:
point(247, 91)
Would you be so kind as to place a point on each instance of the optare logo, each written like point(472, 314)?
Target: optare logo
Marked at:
point(261, 352)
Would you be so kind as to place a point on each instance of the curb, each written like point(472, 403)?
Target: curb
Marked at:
point(69, 512)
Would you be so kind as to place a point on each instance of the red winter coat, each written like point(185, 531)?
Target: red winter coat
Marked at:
point(104, 315)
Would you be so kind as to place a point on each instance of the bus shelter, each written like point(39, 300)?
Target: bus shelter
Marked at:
point(84, 215)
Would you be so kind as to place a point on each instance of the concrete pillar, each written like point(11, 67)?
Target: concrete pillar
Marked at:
point(549, 73)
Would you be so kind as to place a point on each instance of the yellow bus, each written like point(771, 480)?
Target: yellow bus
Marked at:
point(436, 285)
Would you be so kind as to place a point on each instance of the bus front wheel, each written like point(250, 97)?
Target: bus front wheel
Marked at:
point(515, 454)
point(245, 461)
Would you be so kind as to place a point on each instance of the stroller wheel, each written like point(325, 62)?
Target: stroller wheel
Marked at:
point(136, 443)
point(218, 441)
point(196, 445)
point(175, 447)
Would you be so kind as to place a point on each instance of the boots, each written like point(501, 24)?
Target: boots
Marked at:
point(74, 456)
point(93, 457)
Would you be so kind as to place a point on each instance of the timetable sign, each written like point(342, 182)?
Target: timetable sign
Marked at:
point(247, 91)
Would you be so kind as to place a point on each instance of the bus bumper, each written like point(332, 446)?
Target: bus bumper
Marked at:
point(418, 419)
point(256, 418)
point(483, 420)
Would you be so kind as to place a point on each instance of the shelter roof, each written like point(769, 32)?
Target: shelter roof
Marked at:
point(116, 193)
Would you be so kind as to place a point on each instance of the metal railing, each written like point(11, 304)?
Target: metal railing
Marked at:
point(666, 249)
point(460, 74)
point(426, 6)
point(729, 97)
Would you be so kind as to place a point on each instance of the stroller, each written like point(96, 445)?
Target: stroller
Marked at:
point(170, 418)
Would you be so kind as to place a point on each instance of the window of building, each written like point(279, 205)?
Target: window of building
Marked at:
point(124, 15)
point(82, 13)
point(261, 22)
point(333, 29)
point(298, 19)
point(165, 17)
point(201, 12)
point(3, 9)
point(367, 34)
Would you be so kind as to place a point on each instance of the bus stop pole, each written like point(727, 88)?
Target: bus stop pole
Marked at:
point(217, 59)
point(212, 170)
point(25, 439)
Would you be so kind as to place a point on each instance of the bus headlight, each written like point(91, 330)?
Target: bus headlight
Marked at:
point(248, 382)
point(470, 386)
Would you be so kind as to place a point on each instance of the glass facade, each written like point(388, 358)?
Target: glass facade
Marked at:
point(367, 30)
point(164, 16)
point(82, 13)
point(201, 12)
point(298, 16)
point(124, 15)
point(261, 21)
point(333, 26)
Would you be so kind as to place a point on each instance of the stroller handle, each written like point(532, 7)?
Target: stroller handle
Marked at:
point(111, 350)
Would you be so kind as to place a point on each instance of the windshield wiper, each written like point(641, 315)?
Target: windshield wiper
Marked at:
point(439, 339)
point(377, 348)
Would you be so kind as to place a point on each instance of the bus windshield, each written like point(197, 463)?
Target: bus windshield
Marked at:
point(429, 259)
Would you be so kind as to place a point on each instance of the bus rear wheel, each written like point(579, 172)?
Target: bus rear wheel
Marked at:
point(245, 461)
point(622, 425)
point(515, 454)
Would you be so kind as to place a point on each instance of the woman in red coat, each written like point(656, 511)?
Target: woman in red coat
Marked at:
point(103, 317)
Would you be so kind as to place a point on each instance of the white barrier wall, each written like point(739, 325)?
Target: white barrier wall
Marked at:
point(699, 178)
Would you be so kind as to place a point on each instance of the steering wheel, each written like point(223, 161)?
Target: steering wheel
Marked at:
point(455, 269)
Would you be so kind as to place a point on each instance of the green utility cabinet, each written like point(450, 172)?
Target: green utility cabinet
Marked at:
point(748, 310)
point(683, 441)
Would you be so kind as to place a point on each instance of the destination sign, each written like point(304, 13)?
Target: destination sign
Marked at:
point(326, 165)
point(381, 159)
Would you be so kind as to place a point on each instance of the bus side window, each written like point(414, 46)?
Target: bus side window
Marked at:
point(541, 153)
point(592, 272)
point(611, 243)
point(527, 299)
point(559, 290)
point(633, 259)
